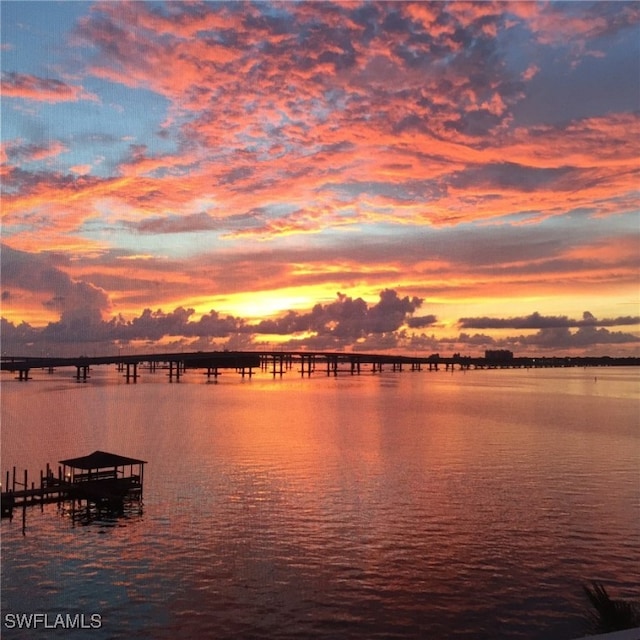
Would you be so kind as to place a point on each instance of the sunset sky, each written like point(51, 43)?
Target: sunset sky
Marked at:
point(408, 177)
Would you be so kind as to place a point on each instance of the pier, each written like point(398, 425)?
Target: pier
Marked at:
point(102, 479)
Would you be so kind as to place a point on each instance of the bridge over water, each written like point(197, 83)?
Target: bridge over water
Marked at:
point(279, 362)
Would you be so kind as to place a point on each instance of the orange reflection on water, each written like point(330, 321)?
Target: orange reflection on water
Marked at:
point(387, 499)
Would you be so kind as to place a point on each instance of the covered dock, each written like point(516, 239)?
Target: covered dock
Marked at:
point(102, 477)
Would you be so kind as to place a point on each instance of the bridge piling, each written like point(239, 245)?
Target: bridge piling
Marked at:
point(131, 375)
point(212, 371)
point(82, 372)
point(280, 360)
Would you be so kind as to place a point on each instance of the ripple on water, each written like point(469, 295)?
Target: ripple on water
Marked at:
point(448, 509)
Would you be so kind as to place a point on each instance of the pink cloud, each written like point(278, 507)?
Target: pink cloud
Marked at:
point(530, 72)
point(20, 151)
point(29, 87)
point(80, 169)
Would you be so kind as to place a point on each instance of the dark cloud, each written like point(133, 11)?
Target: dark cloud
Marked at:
point(175, 224)
point(538, 321)
point(556, 340)
point(18, 337)
point(345, 327)
point(347, 318)
point(78, 303)
point(561, 338)
point(29, 87)
point(476, 123)
point(152, 325)
point(237, 174)
point(421, 321)
point(599, 74)
point(18, 180)
point(509, 175)
point(216, 326)
point(391, 312)
point(338, 323)
point(155, 325)
point(19, 151)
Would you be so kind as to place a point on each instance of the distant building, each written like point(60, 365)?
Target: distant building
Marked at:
point(498, 356)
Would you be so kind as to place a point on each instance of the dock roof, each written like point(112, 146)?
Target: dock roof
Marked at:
point(100, 460)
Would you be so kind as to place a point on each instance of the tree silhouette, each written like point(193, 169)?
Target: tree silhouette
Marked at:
point(609, 614)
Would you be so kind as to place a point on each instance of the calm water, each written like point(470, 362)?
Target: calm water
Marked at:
point(395, 505)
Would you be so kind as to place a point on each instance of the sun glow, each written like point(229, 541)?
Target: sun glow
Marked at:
point(258, 305)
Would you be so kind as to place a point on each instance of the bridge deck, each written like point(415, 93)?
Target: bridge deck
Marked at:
point(278, 361)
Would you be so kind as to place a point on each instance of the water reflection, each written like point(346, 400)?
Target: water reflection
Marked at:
point(401, 505)
point(89, 513)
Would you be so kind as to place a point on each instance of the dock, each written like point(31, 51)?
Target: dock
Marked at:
point(102, 479)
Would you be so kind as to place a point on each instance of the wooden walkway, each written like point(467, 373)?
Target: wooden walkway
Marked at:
point(52, 490)
point(16, 491)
